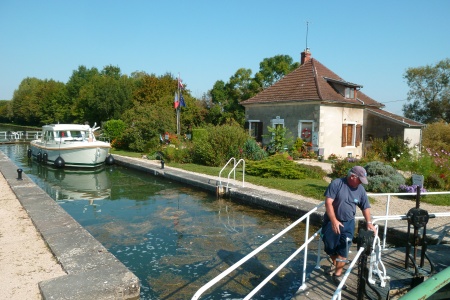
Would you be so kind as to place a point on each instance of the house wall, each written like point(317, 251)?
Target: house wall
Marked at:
point(330, 130)
point(381, 128)
point(327, 123)
point(414, 135)
point(290, 113)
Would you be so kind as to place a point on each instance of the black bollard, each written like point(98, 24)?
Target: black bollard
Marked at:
point(162, 163)
point(19, 174)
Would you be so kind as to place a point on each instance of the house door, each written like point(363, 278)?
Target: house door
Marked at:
point(305, 130)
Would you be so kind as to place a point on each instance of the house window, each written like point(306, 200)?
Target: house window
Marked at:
point(277, 122)
point(351, 135)
point(305, 130)
point(254, 128)
point(350, 93)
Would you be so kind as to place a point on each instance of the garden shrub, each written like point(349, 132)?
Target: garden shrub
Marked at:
point(383, 178)
point(341, 167)
point(389, 149)
point(282, 166)
point(217, 144)
point(253, 151)
point(114, 129)
point(181, 154)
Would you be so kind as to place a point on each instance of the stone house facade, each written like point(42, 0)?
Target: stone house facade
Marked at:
point(317, 105)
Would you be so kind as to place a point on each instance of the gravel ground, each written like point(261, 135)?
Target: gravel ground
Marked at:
point(25, 259)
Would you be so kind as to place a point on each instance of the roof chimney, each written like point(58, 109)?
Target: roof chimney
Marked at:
point(305, 56)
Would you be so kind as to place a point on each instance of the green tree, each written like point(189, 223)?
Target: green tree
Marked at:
point(273, 69)
point(55, 103)
point(429, 93)
point(4, 111)
point(106, 96)
point(25, 105)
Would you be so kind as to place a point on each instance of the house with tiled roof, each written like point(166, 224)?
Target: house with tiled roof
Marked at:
point(317, 105)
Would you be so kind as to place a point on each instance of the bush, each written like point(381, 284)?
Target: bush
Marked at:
point(390, 149)
point(282, 166)
point(383, 178)
point(340, 168)
point(182, 154)
point(114, 129)
point(253, 151)
point(217, 144)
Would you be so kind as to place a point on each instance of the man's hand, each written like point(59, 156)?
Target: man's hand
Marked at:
point(371, 227)
point(335, 226)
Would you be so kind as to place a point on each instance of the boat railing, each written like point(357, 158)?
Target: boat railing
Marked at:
point(308, 239)
point(20, 135)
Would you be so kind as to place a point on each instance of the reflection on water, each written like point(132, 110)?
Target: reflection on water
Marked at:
point(173, 237)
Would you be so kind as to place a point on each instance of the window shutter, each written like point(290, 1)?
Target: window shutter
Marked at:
point(259, 131)
point(358, 135)
point(344, 135)
point(246, 127)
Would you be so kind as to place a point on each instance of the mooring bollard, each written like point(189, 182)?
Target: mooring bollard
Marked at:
point(19, 174)
point(162, 163)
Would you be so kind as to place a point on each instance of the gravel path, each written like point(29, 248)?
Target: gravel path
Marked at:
point(25, 259)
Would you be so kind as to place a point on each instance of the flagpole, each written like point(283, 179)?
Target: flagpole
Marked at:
point(178, 108)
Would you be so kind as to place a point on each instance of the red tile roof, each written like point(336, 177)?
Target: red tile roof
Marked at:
point(309, 82)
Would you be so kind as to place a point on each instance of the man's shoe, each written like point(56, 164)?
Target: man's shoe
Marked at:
point(337, 280)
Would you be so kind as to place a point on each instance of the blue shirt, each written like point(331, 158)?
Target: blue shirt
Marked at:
point(345, 199)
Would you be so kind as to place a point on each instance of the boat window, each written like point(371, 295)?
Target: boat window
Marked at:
point(75, 134)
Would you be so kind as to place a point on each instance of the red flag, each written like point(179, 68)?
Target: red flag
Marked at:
point(176, 103)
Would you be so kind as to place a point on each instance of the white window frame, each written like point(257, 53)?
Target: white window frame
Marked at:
point(300, 126)
point(277, 121)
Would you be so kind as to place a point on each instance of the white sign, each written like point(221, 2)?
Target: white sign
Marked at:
point(417, 180)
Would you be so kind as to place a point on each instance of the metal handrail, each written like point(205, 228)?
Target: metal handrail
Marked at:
point(388, 203)
point(234, 171)
point(256, 251)
point(308, 240)
point(220, 173)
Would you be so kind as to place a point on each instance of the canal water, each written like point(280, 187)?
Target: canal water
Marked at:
point(175, 238)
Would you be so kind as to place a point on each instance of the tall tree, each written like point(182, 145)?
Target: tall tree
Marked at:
point(429, 93)
point(25, 105)
point(105, 97)
point(273, 69)
point(54, 102)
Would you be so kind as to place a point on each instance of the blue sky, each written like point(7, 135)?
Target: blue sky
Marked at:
point(371, 43)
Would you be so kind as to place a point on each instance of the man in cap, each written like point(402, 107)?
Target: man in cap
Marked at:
point(341, 198)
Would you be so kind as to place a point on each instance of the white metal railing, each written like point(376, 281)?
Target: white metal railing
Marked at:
point(226, 165)
point(376, 256)
point(20, 135)
point(259, 249)
point(388, 195)
point(234, 172)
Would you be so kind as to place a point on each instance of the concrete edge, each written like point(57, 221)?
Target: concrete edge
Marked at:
point(92, 271)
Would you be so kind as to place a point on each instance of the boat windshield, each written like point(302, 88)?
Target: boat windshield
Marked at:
point(64, 135)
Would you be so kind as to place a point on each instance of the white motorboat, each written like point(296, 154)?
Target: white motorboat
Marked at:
point(71, 145)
